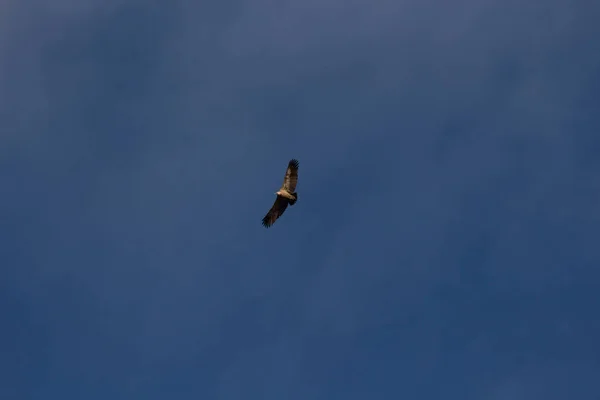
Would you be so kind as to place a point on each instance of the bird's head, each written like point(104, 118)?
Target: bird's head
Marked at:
point(278, 193)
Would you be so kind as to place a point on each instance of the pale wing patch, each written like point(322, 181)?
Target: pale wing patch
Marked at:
point(291, 176)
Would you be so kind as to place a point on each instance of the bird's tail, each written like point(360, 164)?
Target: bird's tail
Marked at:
point(292, 202)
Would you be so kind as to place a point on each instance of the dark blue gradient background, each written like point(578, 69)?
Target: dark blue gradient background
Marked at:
point(445, 244)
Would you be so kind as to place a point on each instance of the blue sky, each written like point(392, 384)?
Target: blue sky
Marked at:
point(445, 241)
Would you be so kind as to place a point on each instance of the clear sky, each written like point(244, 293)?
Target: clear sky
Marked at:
point(445, 244)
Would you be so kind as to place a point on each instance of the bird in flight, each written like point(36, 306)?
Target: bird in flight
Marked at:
point(285, 195)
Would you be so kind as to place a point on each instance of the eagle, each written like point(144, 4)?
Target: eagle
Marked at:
point(285, 195)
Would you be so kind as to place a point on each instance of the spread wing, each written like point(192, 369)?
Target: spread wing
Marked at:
point(275, 212)
point(291, 176)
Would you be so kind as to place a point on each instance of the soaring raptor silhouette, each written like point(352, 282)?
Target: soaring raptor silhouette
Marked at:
point(286, 194)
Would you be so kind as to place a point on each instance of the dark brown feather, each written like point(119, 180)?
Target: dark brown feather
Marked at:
point(291, 176)
point(275, 212)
